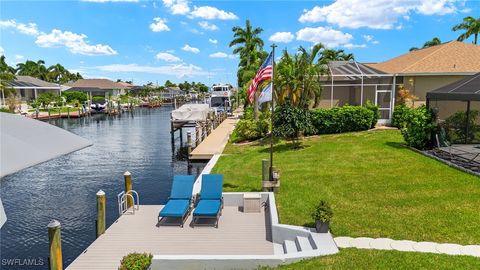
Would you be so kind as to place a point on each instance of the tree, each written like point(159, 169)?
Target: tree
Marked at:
point(435, 41)
point(168, 83)
point(471, 26)
point(328, 55)
point(7, 73)
point(34, 69)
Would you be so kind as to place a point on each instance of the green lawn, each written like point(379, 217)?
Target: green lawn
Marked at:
point(377, 188)
point(379, 259)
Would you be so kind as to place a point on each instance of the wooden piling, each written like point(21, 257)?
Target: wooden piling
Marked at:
point(48, 113)
point(189, 143)
point(265, 172)
point(55, 244)
point(68, 112)
point(128, 186)
point(198, 139)
point(101, 217)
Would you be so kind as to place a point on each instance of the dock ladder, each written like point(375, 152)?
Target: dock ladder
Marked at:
point(122, 199)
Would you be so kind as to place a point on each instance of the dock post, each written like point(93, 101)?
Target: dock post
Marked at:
point(204, 131)
point(48, 113)
point(101, 203)
point(172, 130)
point(55, 244)
point(68, 112)
point(198, 140)
point(189, 143)
point(128, 186)
point(209, 127)
point(265, 172)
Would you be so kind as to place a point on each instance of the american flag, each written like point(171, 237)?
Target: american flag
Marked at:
point(264, 72)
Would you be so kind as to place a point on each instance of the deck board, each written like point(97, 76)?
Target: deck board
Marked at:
point(238, 234)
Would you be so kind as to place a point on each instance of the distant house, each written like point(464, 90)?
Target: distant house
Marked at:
point(169, 92)
point(28, 88)
point(424, 70)
point(98, 87)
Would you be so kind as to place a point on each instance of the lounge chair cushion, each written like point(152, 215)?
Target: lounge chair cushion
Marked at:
point(182, 187)
point(207, 208)
point(211, 187)
point(175, 208)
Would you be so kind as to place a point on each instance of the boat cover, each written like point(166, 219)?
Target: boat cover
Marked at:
point(191, 112)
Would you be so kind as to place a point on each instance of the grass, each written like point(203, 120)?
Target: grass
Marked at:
point(376, 187)
point(379, 259)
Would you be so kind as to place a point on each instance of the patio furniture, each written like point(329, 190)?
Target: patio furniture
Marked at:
point(468, 151)
point(210, 204)
point(180, 200)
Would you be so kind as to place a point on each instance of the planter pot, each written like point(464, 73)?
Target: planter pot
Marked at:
point(322, 227)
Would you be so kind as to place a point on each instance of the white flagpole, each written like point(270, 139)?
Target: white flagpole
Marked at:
point(273, 110)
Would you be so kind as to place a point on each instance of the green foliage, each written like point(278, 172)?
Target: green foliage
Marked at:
point(342, 119)
point(289, 121)
point(136, 261)
point(376, 114)
point(45, 99)
point(248, 129)
point(98, 99)
point(457, 126)
point(399, 117)
point(322, 212)
point(72, 96)
point(5, 110)
point(418, 128)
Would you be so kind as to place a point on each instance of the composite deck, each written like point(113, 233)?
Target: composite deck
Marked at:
point(238, 233)
point(216, 141)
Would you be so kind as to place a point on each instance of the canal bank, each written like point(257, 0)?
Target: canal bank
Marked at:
point(65, 188)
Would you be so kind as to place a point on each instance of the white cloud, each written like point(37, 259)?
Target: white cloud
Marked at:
point(211, 13)
point(329, 37)
point(282, 37)
point(177, 7)
point(222, 55)
point(27, 29)
point(180, 70)
point(113, 1)
point(159, 25)
point(376, 14)
point(207, 26)
point(191, 49)
point(354, 46)
point(367, 38)
point(75, 43)
point(18, 57)
point(167, 57)
point(213, 41)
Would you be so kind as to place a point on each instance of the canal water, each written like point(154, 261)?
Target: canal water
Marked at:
point(65, 188)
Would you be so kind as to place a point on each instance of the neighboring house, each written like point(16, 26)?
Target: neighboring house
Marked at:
point(424, 70)
point(28, 88)
point(169, 92)
point(98, 87)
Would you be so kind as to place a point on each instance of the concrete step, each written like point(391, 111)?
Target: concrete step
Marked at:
point(289, 247)
point(278, 248)
point(303, 244)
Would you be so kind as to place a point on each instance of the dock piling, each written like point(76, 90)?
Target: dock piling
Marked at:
point(128, 186)
point(189, 143)
point(265, 172)
point(55, 244)
point(197, 135)
point(101, 217)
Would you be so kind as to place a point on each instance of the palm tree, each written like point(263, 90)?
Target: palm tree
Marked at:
point(57, 73)
point(471, 27)
point(247, 44)
point(328, 55)
point(435, 41)
point(34, 69)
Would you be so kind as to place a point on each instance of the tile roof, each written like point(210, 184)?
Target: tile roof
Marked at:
point(450, 57)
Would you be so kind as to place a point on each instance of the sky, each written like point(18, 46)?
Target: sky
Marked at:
point(178, 40)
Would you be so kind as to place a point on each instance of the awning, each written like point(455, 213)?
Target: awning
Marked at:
point(463, 90)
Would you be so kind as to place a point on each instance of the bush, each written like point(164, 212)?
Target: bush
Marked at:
point(248, 130)
point(45, 99)
point(342, 119)
point(399, 116)
point(418, 128)
point(98, 99)
point(376, 114)
point(5, 110)
point(136, 261)
point(289, 121)
point(72, 96)
point(322, 212)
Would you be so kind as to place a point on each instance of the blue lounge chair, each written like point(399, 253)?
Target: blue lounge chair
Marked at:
point(180, 200)
point(210, 204)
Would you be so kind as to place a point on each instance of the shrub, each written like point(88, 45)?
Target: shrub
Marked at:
point(323, 212)
point(45, 99)
point(136, 261)
point(374, 108)
point(98, 99)
point(5, 110)
point(418, 128)
point(289, 121)
point(342, 119)
point(399, 116)
point(248, 113)
point(248, 130)
point(457, 126)
point(75, 96)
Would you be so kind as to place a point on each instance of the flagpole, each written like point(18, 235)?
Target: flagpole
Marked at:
point(273, 110)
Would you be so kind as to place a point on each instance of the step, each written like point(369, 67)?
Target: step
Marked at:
point(303, 244)
point(289, 247)
point(278, 248)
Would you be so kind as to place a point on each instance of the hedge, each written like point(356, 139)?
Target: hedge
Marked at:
point(249, 130)
point(136, 261)
point(342, 119)
point(418, 127)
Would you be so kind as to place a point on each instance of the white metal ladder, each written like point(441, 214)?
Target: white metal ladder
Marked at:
point(122, 199)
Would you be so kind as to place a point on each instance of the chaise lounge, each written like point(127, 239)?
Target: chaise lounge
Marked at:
point(180, 200)
point(210, 204)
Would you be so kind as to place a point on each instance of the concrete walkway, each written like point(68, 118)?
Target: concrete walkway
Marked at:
point(216, 141)
point(407, 245)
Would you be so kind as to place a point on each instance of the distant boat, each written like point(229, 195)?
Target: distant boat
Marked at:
point(98, 106)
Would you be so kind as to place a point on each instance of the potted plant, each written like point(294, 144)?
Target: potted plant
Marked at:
point(322, 216)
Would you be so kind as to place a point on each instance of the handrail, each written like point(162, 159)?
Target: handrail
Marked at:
point(122, 199)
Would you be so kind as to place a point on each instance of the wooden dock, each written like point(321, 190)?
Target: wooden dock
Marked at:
point(238, 233)
point(216, 141)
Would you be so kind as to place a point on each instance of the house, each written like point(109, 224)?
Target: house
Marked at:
point(424, 70)
point(28, 88)
point(98, 87)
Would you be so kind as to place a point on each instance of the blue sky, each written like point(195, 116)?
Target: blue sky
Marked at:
point(188, 40)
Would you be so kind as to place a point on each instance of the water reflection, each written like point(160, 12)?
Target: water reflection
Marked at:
point(64, 188)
